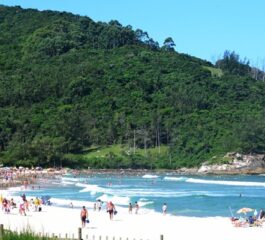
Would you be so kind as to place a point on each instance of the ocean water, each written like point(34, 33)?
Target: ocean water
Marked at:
point(200, 196)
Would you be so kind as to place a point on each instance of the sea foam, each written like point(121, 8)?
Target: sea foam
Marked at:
point(218, 182)
point(92, 188)
point(149, 176)
point(177, 179)
point(119, 200)
point(231, 183)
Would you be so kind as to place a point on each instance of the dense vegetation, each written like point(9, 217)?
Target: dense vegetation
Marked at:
point(70, 86)
point(26, 235)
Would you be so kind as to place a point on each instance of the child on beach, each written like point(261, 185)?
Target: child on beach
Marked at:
point(22, 207)
point(32, 205)
point(12, 203)
point(24, 197)
point(136, 206)
point(130, 208)
point(6, 206)
point(99, 204)
point(164, 209)
point(37, 204)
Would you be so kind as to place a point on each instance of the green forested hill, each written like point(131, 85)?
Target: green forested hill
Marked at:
point(71, 87)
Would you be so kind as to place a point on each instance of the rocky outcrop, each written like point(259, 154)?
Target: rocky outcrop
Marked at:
point(187, 171)
point(238, 163)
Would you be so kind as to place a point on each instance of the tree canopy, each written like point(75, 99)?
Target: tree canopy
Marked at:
point(69, 85)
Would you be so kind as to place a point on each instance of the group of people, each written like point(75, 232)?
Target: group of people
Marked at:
point(23, 205)
point(136, 208)
point(98, 205)
point(256, 220)
point(7, 204)
point(111, 210)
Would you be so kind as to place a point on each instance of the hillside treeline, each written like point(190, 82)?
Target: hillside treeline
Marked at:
point(68, 84)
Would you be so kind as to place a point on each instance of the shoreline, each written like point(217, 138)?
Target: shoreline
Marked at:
point(61, 221)
point(147, 225)
point(29, 176)
point(190, 171)
point(233, 164)
point(13, 177)
point(84, 186)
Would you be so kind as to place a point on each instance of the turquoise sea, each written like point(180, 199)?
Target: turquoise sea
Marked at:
point(200, 196)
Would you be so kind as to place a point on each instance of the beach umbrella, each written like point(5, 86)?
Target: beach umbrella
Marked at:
point(245, 210)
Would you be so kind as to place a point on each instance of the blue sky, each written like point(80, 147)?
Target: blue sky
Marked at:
point(202, 28)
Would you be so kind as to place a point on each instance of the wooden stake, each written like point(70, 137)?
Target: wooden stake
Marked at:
point(1, 231)
point(79, 237)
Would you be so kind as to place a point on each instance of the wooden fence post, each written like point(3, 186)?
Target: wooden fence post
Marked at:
point(79, 237)
point(1, 231)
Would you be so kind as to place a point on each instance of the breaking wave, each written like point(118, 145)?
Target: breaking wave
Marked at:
point(218, 182)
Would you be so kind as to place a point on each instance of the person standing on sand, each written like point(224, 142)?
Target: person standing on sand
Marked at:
point(136, 206)
point(98, 205)
point(130, 208)
point(111, 209)
point(261, 214)
point(22, 207)
point(23, 197)
point(164, 209)
point(83, 215)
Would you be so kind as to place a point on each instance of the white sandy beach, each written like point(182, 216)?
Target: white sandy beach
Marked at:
point(146, 225)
